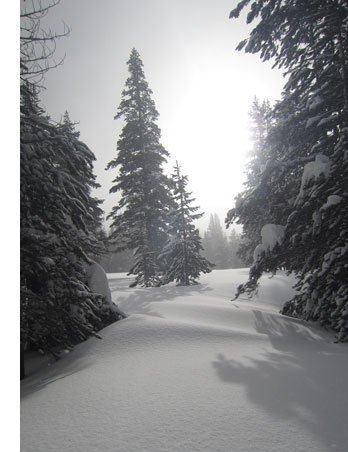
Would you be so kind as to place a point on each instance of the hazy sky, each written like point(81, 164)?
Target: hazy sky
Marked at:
point(202, 88)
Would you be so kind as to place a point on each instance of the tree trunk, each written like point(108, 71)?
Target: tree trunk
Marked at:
point(22, 367)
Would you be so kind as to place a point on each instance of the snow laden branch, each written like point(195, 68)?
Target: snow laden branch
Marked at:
point(267, 171)
point(272, 236)
point(303, 182)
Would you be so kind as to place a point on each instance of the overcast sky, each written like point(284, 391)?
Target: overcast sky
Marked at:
point(202, 88)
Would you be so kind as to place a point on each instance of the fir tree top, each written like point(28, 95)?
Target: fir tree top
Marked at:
point(136, 103)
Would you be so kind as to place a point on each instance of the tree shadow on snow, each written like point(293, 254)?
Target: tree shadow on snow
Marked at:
point(304, 379)
point(56, 370)
point(141, 300)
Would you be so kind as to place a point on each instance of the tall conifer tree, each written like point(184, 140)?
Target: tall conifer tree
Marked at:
point(184, 262)
point(303, 186)
point(94, 219)
point(249, 217)
point(139, 219)
point(57, 307)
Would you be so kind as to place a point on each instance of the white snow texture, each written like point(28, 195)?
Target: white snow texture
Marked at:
point(312, 170)
point(271, 235)
point(97, 280)
point(190, 371)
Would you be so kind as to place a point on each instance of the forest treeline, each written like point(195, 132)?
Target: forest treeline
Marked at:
point(222, 249)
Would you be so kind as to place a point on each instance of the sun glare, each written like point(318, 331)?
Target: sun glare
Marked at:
point(210, 133)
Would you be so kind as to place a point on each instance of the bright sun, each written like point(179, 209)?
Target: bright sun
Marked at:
point(208, 134)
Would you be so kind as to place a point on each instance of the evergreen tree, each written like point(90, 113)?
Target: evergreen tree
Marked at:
point(215, 243)
point(235, 241)
point(184, 262)
point(94, 220)
point(139, 221)
point(261, 121)
point(116, 261)
point(56, 177)
point(303, 185)
point(57, 307)
point(249, 215)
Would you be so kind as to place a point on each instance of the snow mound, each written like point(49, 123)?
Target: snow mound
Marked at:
point(189, 370)
point(98, 282)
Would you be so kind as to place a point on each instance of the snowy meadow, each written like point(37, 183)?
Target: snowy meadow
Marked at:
point(191, 370)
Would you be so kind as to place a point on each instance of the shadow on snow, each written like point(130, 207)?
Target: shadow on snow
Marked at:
point(303, 379)
point(141, 300)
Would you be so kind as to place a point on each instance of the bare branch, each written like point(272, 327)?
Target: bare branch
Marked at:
point(38, 46)
point(40, 11)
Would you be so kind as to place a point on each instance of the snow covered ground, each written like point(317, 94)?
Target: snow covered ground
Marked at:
point(189, 370)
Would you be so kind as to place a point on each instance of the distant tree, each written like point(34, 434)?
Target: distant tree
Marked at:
point(249, 216)
point(116, 261)
point(215, 243)
point(261, 121)
point(302, 188)
point(139, 221)
point(234, 243)
point(119, 262)
point(181, 253)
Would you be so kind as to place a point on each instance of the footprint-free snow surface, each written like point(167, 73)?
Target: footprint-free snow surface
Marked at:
point(191, 370)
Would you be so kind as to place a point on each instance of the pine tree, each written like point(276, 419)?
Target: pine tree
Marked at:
point(115, 261)
point(56, 177)
point(94, 221)
point(215, 243)
point(304, 181)
point(57, 307)
point(235, 242)
point(139, 221)
point(247, 211)
point(181, 253)
point(261, 121)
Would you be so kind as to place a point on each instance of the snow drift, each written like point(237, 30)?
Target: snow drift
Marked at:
point(189, 370)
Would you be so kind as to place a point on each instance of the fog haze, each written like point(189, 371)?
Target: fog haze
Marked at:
point(202, 88)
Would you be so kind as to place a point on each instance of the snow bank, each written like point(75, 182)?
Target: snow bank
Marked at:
point(98, 282)
point(191, 371)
